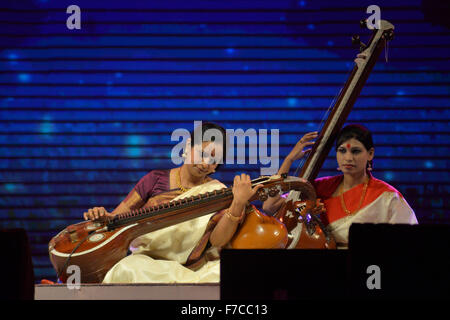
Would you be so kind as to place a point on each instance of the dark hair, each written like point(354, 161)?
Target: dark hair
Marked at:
point(211, 125)
point(358, 132)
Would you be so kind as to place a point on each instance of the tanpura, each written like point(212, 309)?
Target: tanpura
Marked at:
point(298, 214)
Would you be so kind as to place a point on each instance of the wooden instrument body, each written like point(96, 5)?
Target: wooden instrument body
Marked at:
point(293, 227)
point(306, 231)
point(96, 249)
point(260, 231)
point(96, 257)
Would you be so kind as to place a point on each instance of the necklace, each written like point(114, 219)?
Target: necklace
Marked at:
point(360, 200)
point(179, 181)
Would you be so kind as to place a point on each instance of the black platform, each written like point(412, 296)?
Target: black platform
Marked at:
point(384, 261)
point(16, 266)
point(413, 260)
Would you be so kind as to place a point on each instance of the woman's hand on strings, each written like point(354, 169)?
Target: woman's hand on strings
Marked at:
point(319, 208)
point(299, 150)
point(95, 213)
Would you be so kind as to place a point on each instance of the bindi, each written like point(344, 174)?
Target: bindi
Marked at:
point(348, 145)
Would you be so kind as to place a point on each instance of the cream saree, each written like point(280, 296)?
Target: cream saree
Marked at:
point(160, 256)
point(389, 207)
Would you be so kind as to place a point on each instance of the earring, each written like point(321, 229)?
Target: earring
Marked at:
point(338, 169)
point(369, 165)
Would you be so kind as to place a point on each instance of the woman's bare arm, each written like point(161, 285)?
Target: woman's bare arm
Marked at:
point(226, 227)
point(272, 204)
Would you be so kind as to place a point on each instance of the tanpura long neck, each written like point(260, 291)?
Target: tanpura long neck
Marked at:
point(345, 101)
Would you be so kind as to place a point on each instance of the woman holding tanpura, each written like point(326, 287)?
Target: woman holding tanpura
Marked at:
point(355, 196)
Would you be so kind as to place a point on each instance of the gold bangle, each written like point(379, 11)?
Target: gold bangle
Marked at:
point(233, 218)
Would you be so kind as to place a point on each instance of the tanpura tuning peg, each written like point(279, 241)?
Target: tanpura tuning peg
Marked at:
point(357, 41)
point(363, 23)
point(389, 35)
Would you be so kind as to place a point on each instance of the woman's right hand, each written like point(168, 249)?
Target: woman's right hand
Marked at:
point(242, 189)
point(96, 213)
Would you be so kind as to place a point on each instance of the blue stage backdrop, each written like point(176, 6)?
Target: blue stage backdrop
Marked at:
point(86, 113)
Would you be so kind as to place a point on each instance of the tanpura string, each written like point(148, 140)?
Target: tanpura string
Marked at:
point(386, 49)
point(59, 272)
point(323, 120)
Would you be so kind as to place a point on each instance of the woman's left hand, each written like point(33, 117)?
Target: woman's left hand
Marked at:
point(319, 208)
